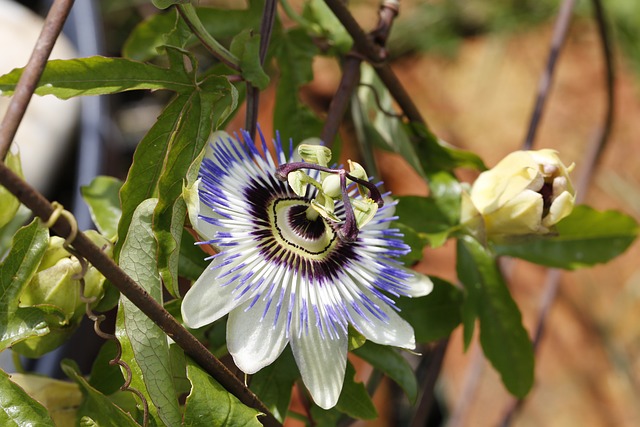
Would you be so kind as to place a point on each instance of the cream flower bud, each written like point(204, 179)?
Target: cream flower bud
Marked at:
point(526, 193)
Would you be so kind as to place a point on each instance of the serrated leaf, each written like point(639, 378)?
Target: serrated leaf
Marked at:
point(96, 405)
point(27, 249)
point(294, 53)
point(436, 315)
point(584, 238)
point(246, 46)
point(98, 75)
point(504, 340)
point(148, 343)
point(101, 195)
point(202, 115)
point(209, 404)
point(273, 384)
point(18, 409)
point(387, 360)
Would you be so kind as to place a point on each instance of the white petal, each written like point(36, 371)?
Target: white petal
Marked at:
point(207, 300)
point(419, 284)
point(393, 331)
point(321, 361)
point(253, 341)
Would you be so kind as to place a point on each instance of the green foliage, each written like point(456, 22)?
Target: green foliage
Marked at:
point(246, 46)
point(227, 410)
point(273, 384)
point(96, 408)
point(391, 363)
point(101, 195)
point(504, 340)
point(18, 409)
point(19, 323)
point(145, 346)
point(435, 316)
point(98, 75)
point(584, 238)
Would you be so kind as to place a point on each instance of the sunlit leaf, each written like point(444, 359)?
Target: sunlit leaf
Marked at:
point(18, 409)
point(98, 75)
point(504, 340)
point(96, 405)
point(584, 238)
point(137, 332)
point(209, 404)
point(19, 323)
point(102, 198)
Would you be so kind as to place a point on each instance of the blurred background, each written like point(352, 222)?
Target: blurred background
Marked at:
point(472, 67)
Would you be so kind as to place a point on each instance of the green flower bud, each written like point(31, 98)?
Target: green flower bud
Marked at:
point(8, 202)
point(55, 288)
point(526, 193)
point(318, 154)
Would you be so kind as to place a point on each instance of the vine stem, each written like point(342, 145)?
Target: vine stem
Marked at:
point(188, 13)
point(41, 207)
point(31, 74)
point(253, 93)
point(591, 159)
point(560, 30)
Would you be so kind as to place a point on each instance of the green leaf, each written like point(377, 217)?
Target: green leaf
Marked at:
point(97, 75)
point(8, 201)
point(146, 38)
point(436, 315)
point(354, 401)
point(422, 214)
point(148, 343)
point(209, 404)
point(163, 4)
point(295, 51)
point(18, 409)
point(246, 46)
point(27, 249)
point(323, 23)
point(387, 359)
point(446, 192)
point(584, 238)
point(504, 340)
point(192, 259)
point(105, 377)
point(101, 195)
point(96, 405)
point(202, 115)
point(273, 384)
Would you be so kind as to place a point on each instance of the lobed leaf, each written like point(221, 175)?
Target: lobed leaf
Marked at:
point(98, 75)
point(504, 340)
point(584, 238)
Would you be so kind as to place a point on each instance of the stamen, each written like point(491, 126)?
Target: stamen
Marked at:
point(348, 231)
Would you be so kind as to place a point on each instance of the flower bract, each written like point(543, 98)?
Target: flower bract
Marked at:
point(290, 269)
